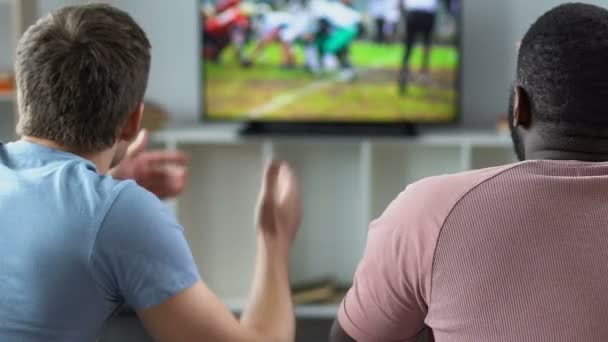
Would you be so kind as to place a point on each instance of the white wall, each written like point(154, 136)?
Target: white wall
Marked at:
point(45, 6)
point(172, 27)
point(6, 37)
point(487, 61)
point(488, 47)
point(491, 29)
point(526, 11)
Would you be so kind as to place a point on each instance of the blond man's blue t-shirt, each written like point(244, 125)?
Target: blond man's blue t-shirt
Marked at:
point(75, 246)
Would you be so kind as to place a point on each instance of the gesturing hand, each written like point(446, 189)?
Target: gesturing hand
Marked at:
point(280, 205)
point(163, 173)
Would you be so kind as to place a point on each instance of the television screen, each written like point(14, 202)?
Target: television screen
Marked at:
point(362, 61)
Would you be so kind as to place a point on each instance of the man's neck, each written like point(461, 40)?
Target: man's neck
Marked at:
point(102, 160)
point(591, 149)
point(567, 155)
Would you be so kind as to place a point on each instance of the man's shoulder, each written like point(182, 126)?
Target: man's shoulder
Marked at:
point(98, 192)
point(430, 200)
point(453, 186)
point(137, 209)
point(103, 198)
point(130, 197)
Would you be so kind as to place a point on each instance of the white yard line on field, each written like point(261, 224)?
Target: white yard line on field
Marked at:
point(287, 98)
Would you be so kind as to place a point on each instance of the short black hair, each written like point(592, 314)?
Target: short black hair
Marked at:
point(563, 68)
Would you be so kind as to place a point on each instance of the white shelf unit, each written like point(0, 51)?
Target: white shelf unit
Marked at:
point(346, 183)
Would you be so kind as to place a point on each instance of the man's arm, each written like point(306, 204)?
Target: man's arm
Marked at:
point(196, 314)
point(387, 301)
point(163, 173)
point(338, 334)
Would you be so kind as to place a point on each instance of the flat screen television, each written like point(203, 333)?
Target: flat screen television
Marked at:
point(331, 61)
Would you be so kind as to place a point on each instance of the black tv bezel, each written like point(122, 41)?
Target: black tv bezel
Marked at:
point(325, 126)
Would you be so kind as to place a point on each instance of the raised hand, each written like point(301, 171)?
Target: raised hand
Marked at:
point(163, 173)
point(280, 205)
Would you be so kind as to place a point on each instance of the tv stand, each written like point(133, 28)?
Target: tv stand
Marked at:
point(325, 129)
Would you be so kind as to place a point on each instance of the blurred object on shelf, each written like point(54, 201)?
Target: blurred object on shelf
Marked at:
point(155, 117)
point(7, 82)
point(502, 126)
point(324, 291)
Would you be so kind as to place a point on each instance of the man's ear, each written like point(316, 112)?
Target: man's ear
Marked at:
point(521, 108)
point(133, 124)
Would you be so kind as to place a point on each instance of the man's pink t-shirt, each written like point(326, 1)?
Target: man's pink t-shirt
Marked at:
point(513, 253)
